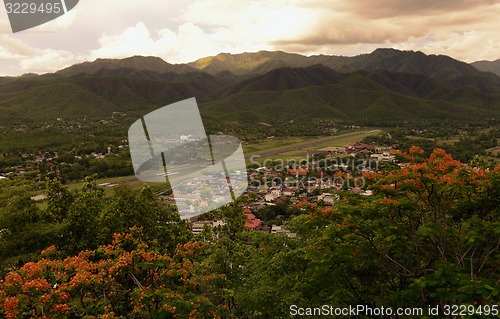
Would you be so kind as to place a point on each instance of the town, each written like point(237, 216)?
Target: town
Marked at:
point(317, 178)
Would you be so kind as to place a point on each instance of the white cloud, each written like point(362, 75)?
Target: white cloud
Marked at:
point(45, 61)
point(461, 29)
point(134, 40)
point(207, 28)
point(185, 30)
point(30, 59)
point(12, 48)
point(250, 21)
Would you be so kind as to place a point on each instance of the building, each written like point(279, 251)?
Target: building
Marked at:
point(331, 150)
point(297, 172)
point(358, 147)
point(197, 226)
point(384, 157)
point(328, 199)
point(252, 222)
point(281, 230)
point(288, 192)
point(39, 197)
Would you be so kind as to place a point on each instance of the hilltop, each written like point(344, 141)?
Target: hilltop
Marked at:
point(384, 87)
point(488, 66)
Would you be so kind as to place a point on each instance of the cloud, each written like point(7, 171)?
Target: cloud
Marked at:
point(73, 37)
point(251, 21)
point(382, 9)
point(176, 46)
point(132, 41)
point(12, 48)
point(45, 61)
point(4, 25)
point(185, 30)
point(433, 27)
point(19, 55)
point(30, 59)
point(207, 28)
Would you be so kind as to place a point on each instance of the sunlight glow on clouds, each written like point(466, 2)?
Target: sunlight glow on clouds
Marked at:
point(208, 29)
point(47, 61)
point(184, 30)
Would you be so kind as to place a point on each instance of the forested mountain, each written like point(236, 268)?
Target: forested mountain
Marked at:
point(488, 66)
point(381, 59)
point(383, 87)
point(142, 63)
point(421, 232)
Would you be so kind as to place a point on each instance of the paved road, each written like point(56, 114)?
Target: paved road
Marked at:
point(309, 144)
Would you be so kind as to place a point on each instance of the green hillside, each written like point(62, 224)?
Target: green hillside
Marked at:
point(438, 66)
point(150, 63)
point(100, 94)
point(355, 100)
point(488, 66)
point(385, 87)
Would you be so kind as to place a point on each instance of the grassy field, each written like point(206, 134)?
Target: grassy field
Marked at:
point(494, 150)
point(113, 181)
point(295, 148)
point(446, 141)
point(255, 148)
point(282, 147)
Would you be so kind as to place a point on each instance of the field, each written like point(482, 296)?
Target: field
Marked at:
point(282, 147)
point(296, 147)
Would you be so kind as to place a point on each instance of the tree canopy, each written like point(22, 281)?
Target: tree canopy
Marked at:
point(429, 236)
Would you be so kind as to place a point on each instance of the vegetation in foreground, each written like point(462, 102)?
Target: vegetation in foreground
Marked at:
point(429, 236)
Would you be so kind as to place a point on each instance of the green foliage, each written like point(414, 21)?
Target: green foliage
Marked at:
point(127, 278)
point(429, 236)
point(161, 223)
point(82, 219)
point(23, 230)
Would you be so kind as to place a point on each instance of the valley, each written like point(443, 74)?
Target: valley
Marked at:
point(369, 180)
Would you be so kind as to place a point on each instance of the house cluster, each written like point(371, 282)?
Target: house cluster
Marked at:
point(252, 223)
point(302, 181)
point(48, 162)
point(311, 181)
point(385, 156)
point(203, 192)
point(278, 194)
point(357, 149)
point(34, 161)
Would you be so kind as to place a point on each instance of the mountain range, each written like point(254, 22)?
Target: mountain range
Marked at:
point(385, 87)
point(488, 66)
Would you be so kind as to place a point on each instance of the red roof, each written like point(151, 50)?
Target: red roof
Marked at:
point(251, 222)
point(297, 172)
point(361, 146)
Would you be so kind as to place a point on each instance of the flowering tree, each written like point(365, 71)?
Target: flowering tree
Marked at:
point(429, 235)
point(124, 279)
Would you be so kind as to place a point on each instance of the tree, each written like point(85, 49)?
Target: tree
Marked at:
point(430, 235)
point(59, 200)
point(127, 209)
point(82, 218)
point(24, 232)
point(125, 279)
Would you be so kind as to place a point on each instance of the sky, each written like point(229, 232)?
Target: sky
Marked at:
point(182, 31)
